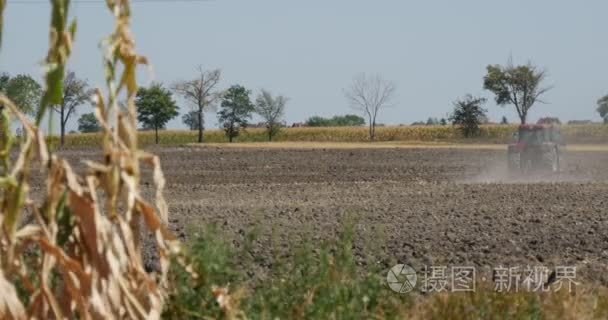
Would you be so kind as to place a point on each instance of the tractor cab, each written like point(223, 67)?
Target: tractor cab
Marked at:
point(538, 134)
point(536, 148)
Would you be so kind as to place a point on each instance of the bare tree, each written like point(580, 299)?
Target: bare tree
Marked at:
point(370, 94)
point(75, 93)
point(271, 109)
point(201, 93)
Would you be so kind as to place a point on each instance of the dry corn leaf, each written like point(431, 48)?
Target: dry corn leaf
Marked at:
point(87, 229)
point(10, 305)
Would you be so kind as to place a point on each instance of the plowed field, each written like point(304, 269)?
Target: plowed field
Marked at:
point(417, 206)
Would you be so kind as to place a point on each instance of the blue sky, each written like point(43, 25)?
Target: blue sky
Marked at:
point(436, 50)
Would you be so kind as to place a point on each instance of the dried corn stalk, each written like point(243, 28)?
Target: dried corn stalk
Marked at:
point(81, 255)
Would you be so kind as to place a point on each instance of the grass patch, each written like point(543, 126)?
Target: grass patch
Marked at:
point(316, 283)
point(325, 282)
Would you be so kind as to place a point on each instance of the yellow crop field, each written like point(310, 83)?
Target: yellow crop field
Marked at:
point(490, 134)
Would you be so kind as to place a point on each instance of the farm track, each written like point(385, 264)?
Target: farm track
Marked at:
point(434, 206)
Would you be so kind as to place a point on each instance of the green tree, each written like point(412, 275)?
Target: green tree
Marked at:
point(191, 119)
point(349, 120)
point(549, 121)
point(23, 90)
point(520, 86)
point(602, 108)
point(88, 123)
point(75, 93)
point(155, 107)
point(272, 110)
point(432, 121)
point(443, 121)
point(236, 109)
point(4, 79)
point(468, 115)
point(504, 120)
point(317, 121)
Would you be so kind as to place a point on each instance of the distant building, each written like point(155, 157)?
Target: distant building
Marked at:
point(580, 122)
point(549, 120)
point(263, 125)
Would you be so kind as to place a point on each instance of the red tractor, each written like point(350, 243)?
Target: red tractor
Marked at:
point(537, 149)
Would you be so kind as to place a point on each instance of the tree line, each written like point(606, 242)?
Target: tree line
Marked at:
point(349, 120)
point(155, 104)
point(26, 92)
point(519, 86)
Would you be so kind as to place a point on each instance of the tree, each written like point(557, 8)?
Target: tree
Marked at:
point(4, 79)
point(602, 108)
point(504, 120)
point(370, 94)
point(236, 109)
point(443, 122)
point(201, 93)
point(549, 120)
point(272, 110)
point(191, 119)
point(23, 90)
point(155, 107)
point(468, 115)
point(432, 121)
point(317, 121)
point(88, 123)
point(349, 120)
point(520, 86)
point(75, 93)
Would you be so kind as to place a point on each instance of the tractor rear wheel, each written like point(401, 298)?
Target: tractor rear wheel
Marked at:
point(514, 162)
point(551, 160)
